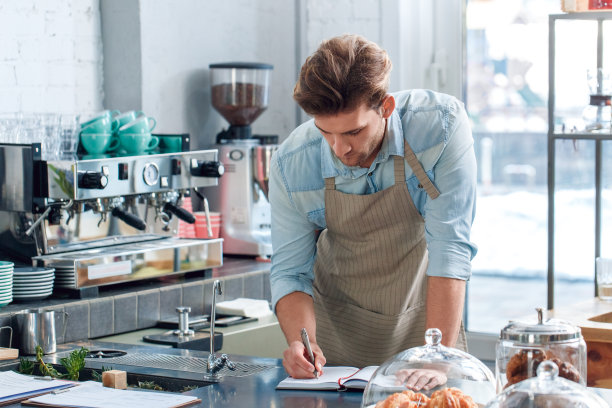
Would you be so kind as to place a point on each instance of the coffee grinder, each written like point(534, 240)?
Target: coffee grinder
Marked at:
point(239, 93)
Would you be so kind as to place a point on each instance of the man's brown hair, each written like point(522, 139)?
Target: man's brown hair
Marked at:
point(343, 73)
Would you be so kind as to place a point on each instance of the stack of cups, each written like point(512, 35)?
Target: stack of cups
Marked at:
point(201, 230)
point(186, 230)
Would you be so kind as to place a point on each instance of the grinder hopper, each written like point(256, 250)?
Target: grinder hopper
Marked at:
point(239, 92)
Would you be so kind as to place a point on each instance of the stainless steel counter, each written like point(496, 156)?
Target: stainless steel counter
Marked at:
point(254, 390)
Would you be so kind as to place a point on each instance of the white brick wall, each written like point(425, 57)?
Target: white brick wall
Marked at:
point(325, 19)
point(50, 56)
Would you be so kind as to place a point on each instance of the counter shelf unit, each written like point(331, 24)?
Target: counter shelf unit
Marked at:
point(553, 136)
point(85, 270)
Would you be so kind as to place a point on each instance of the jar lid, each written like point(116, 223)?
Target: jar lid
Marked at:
point(543, 332)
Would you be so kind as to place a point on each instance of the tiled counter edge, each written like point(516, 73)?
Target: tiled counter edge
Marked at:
point(120, 309)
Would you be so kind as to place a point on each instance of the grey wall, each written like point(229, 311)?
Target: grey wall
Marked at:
point(178, 40)
point(122, 54)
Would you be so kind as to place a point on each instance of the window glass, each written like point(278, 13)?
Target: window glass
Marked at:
point(506, 100)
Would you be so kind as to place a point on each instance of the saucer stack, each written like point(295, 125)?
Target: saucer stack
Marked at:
point(64, 276)
point(32, 283)
point(6, 283)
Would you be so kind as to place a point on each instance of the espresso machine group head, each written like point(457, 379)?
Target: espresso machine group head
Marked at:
point(240, 94)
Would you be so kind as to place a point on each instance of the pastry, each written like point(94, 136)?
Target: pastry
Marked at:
point(566, 370)
point(446, 398)
point(405, 399)
point(451, 398)
point(517, 369)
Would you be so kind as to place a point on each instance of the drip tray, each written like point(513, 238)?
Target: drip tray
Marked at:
point(182, 363)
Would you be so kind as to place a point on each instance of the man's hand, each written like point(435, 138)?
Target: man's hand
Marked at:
point(296, 362)
point(420, 379)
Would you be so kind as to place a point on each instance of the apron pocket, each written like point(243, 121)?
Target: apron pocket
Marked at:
point(352, 331)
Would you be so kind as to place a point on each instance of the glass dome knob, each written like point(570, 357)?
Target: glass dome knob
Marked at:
point(547, 371)
point(433, 337)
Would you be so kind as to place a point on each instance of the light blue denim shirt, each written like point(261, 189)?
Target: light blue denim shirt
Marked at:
point(436, 128)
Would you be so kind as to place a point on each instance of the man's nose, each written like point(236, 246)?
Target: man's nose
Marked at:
point(340, 146)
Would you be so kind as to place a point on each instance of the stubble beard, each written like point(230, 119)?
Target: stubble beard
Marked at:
point(372, 149)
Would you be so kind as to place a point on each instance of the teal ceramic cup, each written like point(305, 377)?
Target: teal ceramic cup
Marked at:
point(127, 117)
point(142, 124)
point(103, 124)
point(98, 143)
point(171, 144)
point(138, 142)
point(109, 114)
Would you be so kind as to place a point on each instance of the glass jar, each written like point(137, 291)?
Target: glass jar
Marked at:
point(546, 390)
point(598, 113)
point(452, 373)
point(524, 345)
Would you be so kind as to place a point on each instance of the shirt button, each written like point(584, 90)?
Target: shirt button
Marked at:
point(420, 185)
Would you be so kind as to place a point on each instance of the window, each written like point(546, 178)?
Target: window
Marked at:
point(506, 99)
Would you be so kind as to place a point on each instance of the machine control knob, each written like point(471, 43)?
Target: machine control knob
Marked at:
point(207, 168)
point(93, 180)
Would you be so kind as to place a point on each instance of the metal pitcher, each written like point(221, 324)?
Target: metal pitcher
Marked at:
point(37, 328)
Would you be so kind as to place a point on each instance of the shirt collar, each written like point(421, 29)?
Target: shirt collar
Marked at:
point(393, 145)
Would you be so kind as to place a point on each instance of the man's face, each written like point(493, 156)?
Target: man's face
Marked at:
point(356, 136)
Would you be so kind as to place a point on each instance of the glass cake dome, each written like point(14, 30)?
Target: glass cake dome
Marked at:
point(547, 390)
point(441, 373)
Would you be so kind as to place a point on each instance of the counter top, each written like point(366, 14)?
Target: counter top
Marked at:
point(254, 390)
point(594, 317)
point(262, 338)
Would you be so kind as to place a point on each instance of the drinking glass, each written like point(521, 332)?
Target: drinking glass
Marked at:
point(9, 127)
point(603, 269)
point(30, 129)
point(69, 136)
point(50, 129)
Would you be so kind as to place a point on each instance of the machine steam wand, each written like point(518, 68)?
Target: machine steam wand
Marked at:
point(214, 364)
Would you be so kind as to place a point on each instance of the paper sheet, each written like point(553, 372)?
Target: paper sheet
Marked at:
point(14, 385)
point(94, 395)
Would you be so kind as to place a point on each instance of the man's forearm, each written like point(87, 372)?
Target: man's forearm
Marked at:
point(445, 297)
point(294, 312)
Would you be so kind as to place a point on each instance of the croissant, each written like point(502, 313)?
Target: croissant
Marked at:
point(451, 398)
point(404, 399)
point(446, 398)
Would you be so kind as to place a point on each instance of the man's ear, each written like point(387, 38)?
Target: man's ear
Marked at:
point(387, 106)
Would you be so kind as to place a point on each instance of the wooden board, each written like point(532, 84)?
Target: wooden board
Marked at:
point(599, 364)
point(8, 353)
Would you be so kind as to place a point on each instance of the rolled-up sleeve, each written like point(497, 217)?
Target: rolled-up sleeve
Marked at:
point(293, 240)
point(448, 218)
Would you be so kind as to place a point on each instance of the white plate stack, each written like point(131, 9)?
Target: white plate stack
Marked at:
point(32, 283)
point(6, 282)
point(64, 276)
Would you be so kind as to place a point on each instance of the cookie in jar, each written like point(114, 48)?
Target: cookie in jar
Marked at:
point(524, 345)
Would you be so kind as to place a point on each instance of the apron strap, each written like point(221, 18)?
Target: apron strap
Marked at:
point(418, 171)
point(330, 183)
point(398, 169)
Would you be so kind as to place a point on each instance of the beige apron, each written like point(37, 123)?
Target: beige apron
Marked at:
point(370, 283)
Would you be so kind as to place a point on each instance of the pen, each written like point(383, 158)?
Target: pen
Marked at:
point(306, 342)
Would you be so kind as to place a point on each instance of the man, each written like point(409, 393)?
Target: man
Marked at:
point(360, 195)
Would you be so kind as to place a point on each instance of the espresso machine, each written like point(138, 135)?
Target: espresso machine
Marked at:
point(105, 220)
point(240, 94)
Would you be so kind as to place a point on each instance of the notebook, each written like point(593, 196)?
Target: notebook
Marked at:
point(333, 378)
